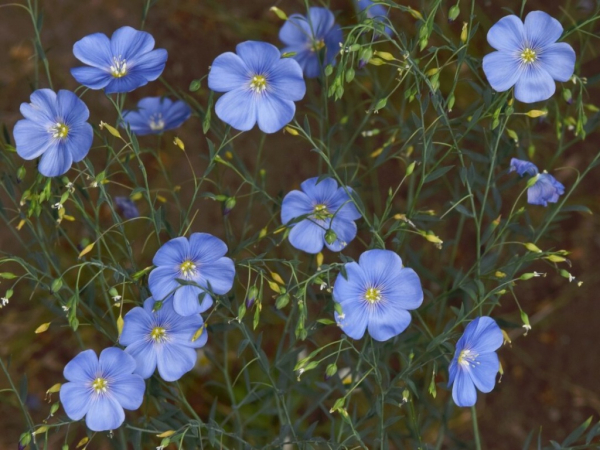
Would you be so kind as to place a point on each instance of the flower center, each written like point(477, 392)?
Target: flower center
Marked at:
point(373, 295)
point(258, 84)
point(321, 212)
point(100, 385)
point(158, 334)
point(59, 130)
point(317, 45)
point(118, 69)
point(528, 55)
point(188, 269)
point(156, 122)
point(466, 358)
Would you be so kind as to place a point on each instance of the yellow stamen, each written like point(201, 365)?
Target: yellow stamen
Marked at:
point(373, 295)
point(100, 385)
point(528, 56)
point(158, 334)
point(59, 131)
point(317, 45)
point(188, 268)
point(258, 84)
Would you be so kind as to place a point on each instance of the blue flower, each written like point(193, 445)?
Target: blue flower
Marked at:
point(200, 264)
point(376, 293)
point(326, 216)
point(156, 114)
point(162, 339)
point(100, 389)
point(122, 63)
point(310, 37)
point(127, 207)
point(528, 56)
point(54, 128)
point(475, 362)
point(374, 11)
point(546, 188)
point(260, 87)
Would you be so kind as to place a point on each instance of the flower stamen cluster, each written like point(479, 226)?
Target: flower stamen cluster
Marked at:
point(258, 84)
point(158, 334)
point(528, 55)
point(188, 269)
point(118, 69)
point(59, 131)
point(100, 385)
point(156, 122)
point(373, 295)
point(467, 357)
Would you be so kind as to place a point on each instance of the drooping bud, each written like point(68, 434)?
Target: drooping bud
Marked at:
point(228, 205)
point(330, 236)
point(251, 296)
point(453, 13)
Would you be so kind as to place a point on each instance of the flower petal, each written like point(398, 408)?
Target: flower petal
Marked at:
point(185, 301)
point(534, 85)
point(172, 253)
point(114, 362)
point(238, 108)
point(385, 322)
point(79, 141)
point(92, 77)
point(161, 282)
point(175, 114)
point(94, 50)
point(307, 236)
point(185, 328)
point(127, 43)
point(44, 100)
point(295, 31)
point(150, 65)
point(219, 274)
point(483, 371)
point(404, 290)
point(128, 83)
point(559, 61)
point(354, 319)
point(31, 139)
point(259, 57)
point(342, 205)
point(128, 390)
point(274, 112)
point(145, 357)
point(206, 248)
point(502, 69)
point(507, 34)
point(174, 361)
point(285, 80)
point(321, 20)
point(71, 108)
point(228, 72)
point(482, 335)
point(546, 190)
point(381, 267)
point(323, 191)
point(104, 414)
point(56, 160)
point(295, 204)
point(345, 231)
point(522, 167)
point(137, 324)
point(463, 391)
point(82, 368)
point(352, 289)
point(75, 398)
point(541, 29)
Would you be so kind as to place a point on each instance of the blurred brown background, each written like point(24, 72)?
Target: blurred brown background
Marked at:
point(550, 375)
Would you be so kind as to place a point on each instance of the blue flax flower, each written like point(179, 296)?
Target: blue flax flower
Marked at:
point(162, 339)
point(375, 11)
point(326, 214)
point(377, 294)
point(156, 114)
point(528, 56)
point(122, 63)
point(475, 362)
point(315, 39)
point(55, 127)
point(546, 189)
point(198, 263)
point(260, 86)
point(127, 207)
point(101, 389)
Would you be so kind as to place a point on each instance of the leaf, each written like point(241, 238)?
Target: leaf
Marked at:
point(437, 173)
point(43, 327)
point(577, 433)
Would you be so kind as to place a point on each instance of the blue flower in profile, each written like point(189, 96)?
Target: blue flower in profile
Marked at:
point(100, 389)
point(546, 188)
point(156, 114)
point(55, 127)
point(162, 339)
point(475, 363)
point(201, 266)
point(528, 56)
point(315, 39)
point(122, 63)
point(376, 294)
point(375, 11)
point(259, 86)
point(320, 214)
point(127, 207)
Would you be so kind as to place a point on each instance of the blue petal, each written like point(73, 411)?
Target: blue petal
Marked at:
point(285, 80)
point(483, 371)
point(161, 281)
point(541, 29)
point(334, 38)
point(75, 399)
point(322, 192)
point(114, 362)
point(45, 101)
point(92, 77)
point(482, 335)
point(238, 108)
point(321, 21)
point(295, 31)
point(507, 34)
point(104, 414)
point(219, 274)
point(172, 253)
point(307, 236)
point(128, 83)
point(228, 72)
point(342, 205)
point(385, 322)
point(546, 190)
point(145, 357)
point(56, 160)
point(559, 61)
point(502, 70)
point(128, 43)
point(185, 301)
point(79, 141)
point(403, 289)
point(82, 368)
point(295, 204)
point(184, 328)
point(381, 267)
point(150, 65)
point(137, 324)
point(522, 167)
point(259, 57)
point(174, 361)
point(354, 319)
point(138, 122)
point(94, 50)
point(310, 63)
point(463, 391)
point(345, 231)
point(206, 248)
point(31, 139)
point(71, 108)
point(273, 112)
point(534, 85)
point(352, 289)
point(452, 371)
point(177, 113)
point(128, 390)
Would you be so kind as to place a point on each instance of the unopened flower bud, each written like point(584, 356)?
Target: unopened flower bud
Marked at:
point(228, 205)
point(330, 236)
point(453, 13)
point(251, 297)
